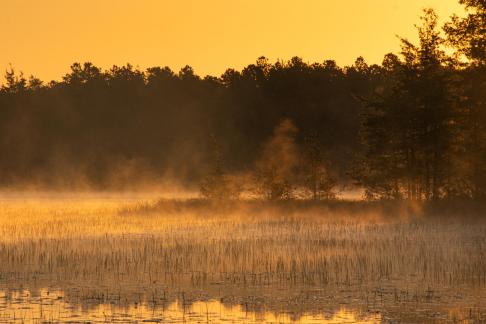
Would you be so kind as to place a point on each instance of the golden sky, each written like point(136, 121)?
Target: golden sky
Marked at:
point(43, 37)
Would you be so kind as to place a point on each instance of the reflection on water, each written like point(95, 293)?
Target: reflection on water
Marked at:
point(50, 306)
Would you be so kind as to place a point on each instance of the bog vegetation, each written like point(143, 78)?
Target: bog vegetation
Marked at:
point(112, 256)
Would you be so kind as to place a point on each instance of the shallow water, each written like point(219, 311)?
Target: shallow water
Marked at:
point(50, 306)
point(55, 306)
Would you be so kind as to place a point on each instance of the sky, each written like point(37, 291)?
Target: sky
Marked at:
point(45, 37)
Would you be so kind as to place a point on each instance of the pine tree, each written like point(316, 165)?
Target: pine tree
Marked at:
point(218, 184)
point(407, 130)
point(318, 180)
point(468, 36)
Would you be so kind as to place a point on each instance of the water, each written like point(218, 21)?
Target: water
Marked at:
point(50, 306)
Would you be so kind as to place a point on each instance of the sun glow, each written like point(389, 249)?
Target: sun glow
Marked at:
point(45, 37)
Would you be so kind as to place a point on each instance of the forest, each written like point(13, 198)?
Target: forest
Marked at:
point(413, 127)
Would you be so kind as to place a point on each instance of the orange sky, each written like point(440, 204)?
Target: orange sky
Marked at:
point(44, 37)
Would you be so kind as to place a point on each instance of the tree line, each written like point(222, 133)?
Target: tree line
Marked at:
point(424, 134)
point(412, 127)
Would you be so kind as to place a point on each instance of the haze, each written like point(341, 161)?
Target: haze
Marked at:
point(45, 37)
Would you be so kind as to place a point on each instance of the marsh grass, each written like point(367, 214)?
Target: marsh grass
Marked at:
point(293, 256)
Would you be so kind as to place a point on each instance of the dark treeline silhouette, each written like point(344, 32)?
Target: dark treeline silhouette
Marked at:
point(412, 127)
point(425, 133)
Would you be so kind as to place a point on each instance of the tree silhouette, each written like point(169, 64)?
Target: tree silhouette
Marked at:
point(318, 180)
point(407, 130)
point(468, 36)
point(410, 128)
point(218, 184)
